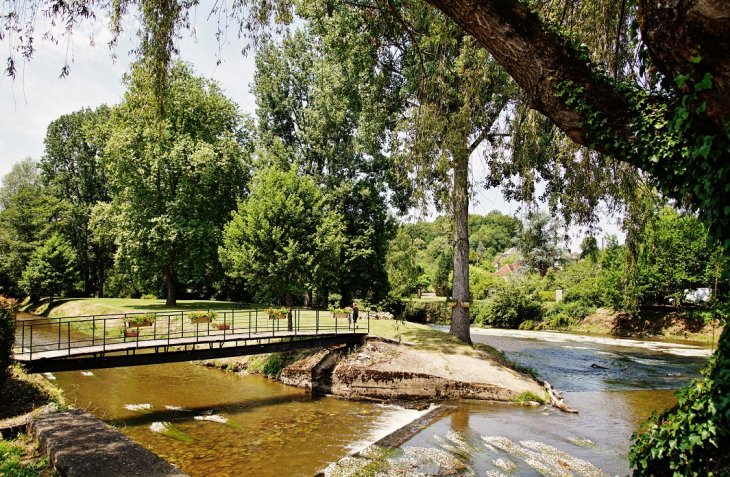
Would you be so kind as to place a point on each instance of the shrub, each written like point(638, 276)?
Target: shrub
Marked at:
point(482, 282)
point(589, 292)
point(7, 337)
point(547, 295)
point(512, 305)
point(427, 312)
point(691, 439)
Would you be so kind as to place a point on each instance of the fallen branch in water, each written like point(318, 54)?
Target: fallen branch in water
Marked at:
point(556, 399)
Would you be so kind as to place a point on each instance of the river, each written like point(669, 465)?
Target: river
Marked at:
point(210, 422)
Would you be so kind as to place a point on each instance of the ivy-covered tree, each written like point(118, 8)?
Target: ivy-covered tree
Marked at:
point(51, 269)
point(174, 179)
point(282, 239)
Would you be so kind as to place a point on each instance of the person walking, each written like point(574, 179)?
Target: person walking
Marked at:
point(354, 315)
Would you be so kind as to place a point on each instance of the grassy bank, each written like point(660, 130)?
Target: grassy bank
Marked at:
point(104, 306)
point(24, 395)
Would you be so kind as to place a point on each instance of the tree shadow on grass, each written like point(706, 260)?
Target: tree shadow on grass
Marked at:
point(434, 340)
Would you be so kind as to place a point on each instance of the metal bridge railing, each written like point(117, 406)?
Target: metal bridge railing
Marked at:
point(69, 333)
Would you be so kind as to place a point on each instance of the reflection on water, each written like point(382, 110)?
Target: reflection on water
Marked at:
point(209, 422)
point(245, 425)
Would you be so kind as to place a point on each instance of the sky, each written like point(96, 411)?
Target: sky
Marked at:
point(38, 96)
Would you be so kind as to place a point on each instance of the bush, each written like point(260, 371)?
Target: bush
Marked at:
point(482, 282)
point(547, 295)
point(589, 292)
point(7, 337)
point(512, 305)
point(427, 312)
point(693, 438)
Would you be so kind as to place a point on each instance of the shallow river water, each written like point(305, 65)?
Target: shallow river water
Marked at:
point(209, 422)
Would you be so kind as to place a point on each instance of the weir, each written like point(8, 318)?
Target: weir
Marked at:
point(107, 341)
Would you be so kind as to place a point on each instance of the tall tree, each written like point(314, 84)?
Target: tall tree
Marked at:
point(51, 269)
point(73, 170)
point(29, 217)
point(282, 240)
point(451, 97)
point(316, 115)
point(23, 175)
point(174, 180)
point(538, 241)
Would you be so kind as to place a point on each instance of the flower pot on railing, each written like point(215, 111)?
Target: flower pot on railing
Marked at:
point(131, 334)
point(224, 327)
point(451, 304)
point(465, 304)
point(139, 321)
point(201, 317)
point(277, 313)
point(339, 315)
point(139, 325)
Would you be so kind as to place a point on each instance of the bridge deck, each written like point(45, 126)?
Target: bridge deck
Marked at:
point(231, 339)
point(103, 341)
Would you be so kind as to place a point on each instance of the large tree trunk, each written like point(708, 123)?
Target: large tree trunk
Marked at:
point(307, 299)
point(288, 301)
point(539, 61)
point(460, 205)
point(171, 277)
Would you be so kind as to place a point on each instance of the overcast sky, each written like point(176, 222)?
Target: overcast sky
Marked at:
point(38, 96)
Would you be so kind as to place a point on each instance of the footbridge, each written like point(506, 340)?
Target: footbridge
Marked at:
point(134, 339)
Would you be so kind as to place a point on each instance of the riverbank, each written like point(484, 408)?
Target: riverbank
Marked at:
point(24, 397)
point(400, 362)
point(665, 323)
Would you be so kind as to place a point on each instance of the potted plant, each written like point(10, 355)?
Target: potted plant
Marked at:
point(451, 304)
point(465, 304)
point(137, 321)
point(277, 313)
point(340, 312)
point(197, 317)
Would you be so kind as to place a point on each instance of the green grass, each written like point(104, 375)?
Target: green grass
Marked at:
point(528, 396)
point(21, 457)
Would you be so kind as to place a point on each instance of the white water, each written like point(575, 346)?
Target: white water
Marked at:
point(561, 337)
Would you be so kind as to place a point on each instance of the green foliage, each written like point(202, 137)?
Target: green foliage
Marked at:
point(17, 461)
point(538, 241)
point(173, 179)
point(73, 171)
point(199, 315)
point(7, 337)
point(693, 438)
point(675, 255)
point(140, 319)
point(528, 396)
point(51, 269)
point(562, 315)
point(282, 239)
point(482, 283)
point(30, 216)
point(403, 271)
point(327, 130)
point(589, 292)
point(546, 295)
point(589, 249)
point(511, 305)
point(427, 312)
